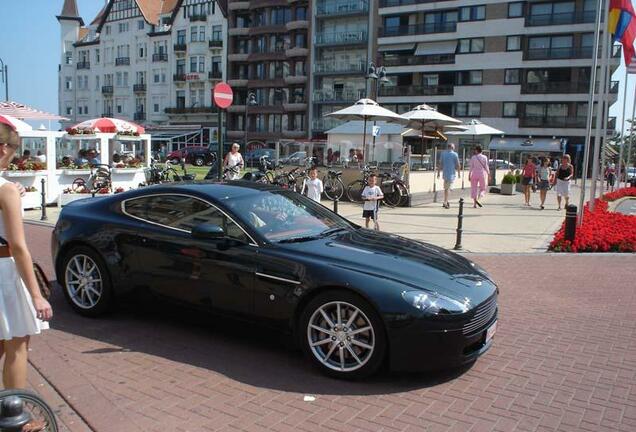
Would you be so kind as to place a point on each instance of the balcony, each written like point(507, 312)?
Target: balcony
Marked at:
point(215, 75)
point(237, 57)
point(139, 116)
point(191, 110)
point(297, 52)
point(392, 3)
point(238, 5)
point(160, 57)
point(553, 122)
point(297, 25)
point(341, 38)
point(411, 60)
point(341, 8)
point(122, 61)
point(287, 133)
point(180, 47)
point(238, 31)
point(179, 77)
point(561, 18)
point(411, 90)
point(295, 106)
point(214, 43)
point(84, 65)
point(107, 90)
point(295, 79)
point(558, 53)
point(330, 96)
point(564, 87)
point(195, 18)
point(419, 29)
point(139, 88)
point(325, 123)
point(107, 114)
point(237, 82)
point(333, 67)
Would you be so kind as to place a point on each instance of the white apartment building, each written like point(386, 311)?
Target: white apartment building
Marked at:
point(148, 61)
point(520, 66)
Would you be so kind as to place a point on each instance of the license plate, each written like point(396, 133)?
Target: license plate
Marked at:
point(491, 331)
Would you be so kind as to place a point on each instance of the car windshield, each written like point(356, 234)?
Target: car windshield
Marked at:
point(283, 216)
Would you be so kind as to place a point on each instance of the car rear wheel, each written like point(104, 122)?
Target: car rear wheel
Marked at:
point(199, 161)
point(343, 335)
point(86, 282)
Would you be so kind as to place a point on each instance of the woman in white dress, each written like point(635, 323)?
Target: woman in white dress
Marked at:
point(23, 310)
point(234, 159)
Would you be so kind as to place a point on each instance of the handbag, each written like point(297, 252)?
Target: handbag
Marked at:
point(43, 282)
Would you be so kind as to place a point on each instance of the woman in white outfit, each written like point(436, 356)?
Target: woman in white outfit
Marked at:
point(23, 310)
point(234, 159)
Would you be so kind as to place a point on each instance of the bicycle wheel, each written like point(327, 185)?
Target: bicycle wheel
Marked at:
point(35, 406)
point(354, 191)
point(334, 188)
point(171, 175)
point(404, 194)
point(391, 194)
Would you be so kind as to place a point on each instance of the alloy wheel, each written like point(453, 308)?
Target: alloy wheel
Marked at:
point(341, 336)
point(83, 281)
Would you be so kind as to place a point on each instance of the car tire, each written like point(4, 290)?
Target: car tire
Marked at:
point(199, 161)
point(348, 352)
point(175, 161)
point(88, 300)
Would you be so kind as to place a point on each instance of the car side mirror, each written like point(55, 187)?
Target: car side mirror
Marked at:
point(208, 232)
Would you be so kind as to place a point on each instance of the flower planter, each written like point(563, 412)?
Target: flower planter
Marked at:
point(23, 173)
point(31, 200)
point(519, 187)
point(508, 188)
point(127, 170)
point(76, 172)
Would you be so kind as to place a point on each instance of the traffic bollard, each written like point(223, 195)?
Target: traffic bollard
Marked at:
point(12, 415)
point(460, 218)
point(570, 222)
point(335, 205)
point(43, 203)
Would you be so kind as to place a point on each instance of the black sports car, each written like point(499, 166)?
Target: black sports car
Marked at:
point(351, 297)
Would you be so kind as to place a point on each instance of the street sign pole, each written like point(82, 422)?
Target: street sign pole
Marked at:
point(223, 97)
point(219, 158)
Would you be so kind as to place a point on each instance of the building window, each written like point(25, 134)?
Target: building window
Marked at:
point(217, 31)
point(69, 111)
point(124, 27)
point(97, 56)
point(194, 34)
point(201, 34)
point(197, 64)
point(140, 25)
point(68, 83)
point(469, 77)
point(301, 40)
point(156, 77)
point(513, 43)
point(512, 76)
point(181, 37)
point(156, 108)
point(515, 10)
point(107, 29)
point(472, 13)
point(474, 45)
point(141, 49)
point(68, 58)
point(467, 109)
point(301, 13)
point(510, 109)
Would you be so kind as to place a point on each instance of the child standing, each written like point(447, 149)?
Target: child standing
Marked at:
point(371, 195)
point(313, 186)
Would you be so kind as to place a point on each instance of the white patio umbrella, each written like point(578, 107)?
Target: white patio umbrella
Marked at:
point(476, 128)
point(367, 110)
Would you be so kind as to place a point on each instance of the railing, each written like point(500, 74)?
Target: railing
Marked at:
point(341, 38)
point(178, 77)
point(428, 90)
point(561, 18)
point(107, 89)
point(157, 57)
point(326, 123)
point(337, 96)
point(215, 43)
point(553, 121)
point(326, 67)
point(416, 29)
point(139, 88)
point(194, 18)
point(84, 65)
point(215, 75)
point(558, 53)
point(180, 47)
point(411, 60)
point(555, 87)
point(122, 61)
point(189, 110)
point(341, 7)
point(107, 114)
point(140, 115)
point(391, 3)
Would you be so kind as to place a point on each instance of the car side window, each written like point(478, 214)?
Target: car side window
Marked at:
point(183, 213)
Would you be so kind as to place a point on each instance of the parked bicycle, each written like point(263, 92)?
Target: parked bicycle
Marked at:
point(332, 182)
point(100, 179)
point(265, 174)
point(355, 188)
point(25, 411)
point(165, 173)
point(395, 192)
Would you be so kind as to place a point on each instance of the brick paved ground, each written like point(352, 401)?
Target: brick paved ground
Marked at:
point(564, 359)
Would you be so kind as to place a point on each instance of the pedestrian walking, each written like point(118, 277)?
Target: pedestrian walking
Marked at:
point(478, 176)
point(313, 186)
point(234, 159)
point(565, 173)
point(610, 177)
point(23, 310)
point(528, 176)
point(449, 165)
point(371, 195)
point(543, 176)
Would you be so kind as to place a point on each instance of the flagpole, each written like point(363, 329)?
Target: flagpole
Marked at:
point(631, 138)
point(622, 139)
point(599, 112)
point(590, 112)
point(608, 79)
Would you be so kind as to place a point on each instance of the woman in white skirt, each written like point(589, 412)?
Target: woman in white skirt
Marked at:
point(23, 310)
point(564, 174)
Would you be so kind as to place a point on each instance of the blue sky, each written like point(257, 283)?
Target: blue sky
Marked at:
point(30, 46)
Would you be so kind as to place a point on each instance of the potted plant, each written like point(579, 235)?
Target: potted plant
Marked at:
point(518, 185)
point(32, 198)
point(508, 184)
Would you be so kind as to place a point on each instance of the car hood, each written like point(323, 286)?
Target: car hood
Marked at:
point(413, 263)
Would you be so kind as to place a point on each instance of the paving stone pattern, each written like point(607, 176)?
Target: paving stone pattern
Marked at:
point(564, 359)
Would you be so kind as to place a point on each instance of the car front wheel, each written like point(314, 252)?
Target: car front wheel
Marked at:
point(343, 335)
point(86, 282)
point(199, 161)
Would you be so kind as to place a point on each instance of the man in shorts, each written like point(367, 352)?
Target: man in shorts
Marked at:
point(449, 165)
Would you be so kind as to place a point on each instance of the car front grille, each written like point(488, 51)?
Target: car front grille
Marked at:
point(483, 314)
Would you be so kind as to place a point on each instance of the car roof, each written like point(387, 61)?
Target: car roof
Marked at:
point(214, 189)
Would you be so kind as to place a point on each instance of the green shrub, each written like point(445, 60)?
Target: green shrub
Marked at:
point(509, 179)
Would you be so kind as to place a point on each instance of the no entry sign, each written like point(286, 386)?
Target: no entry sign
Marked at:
point(222, 95)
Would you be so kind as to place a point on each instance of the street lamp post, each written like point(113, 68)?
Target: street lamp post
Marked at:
point(377, 73)
point(249, 101)
point(5, 77)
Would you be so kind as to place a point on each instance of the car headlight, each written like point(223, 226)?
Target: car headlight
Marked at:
point(435, 304)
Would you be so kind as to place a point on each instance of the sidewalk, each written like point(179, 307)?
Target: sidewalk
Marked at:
point(503, 225)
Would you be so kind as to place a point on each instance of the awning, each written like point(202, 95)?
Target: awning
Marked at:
point(25, 112)
point(528, 144)
point(397, 47)
point(441, 47)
